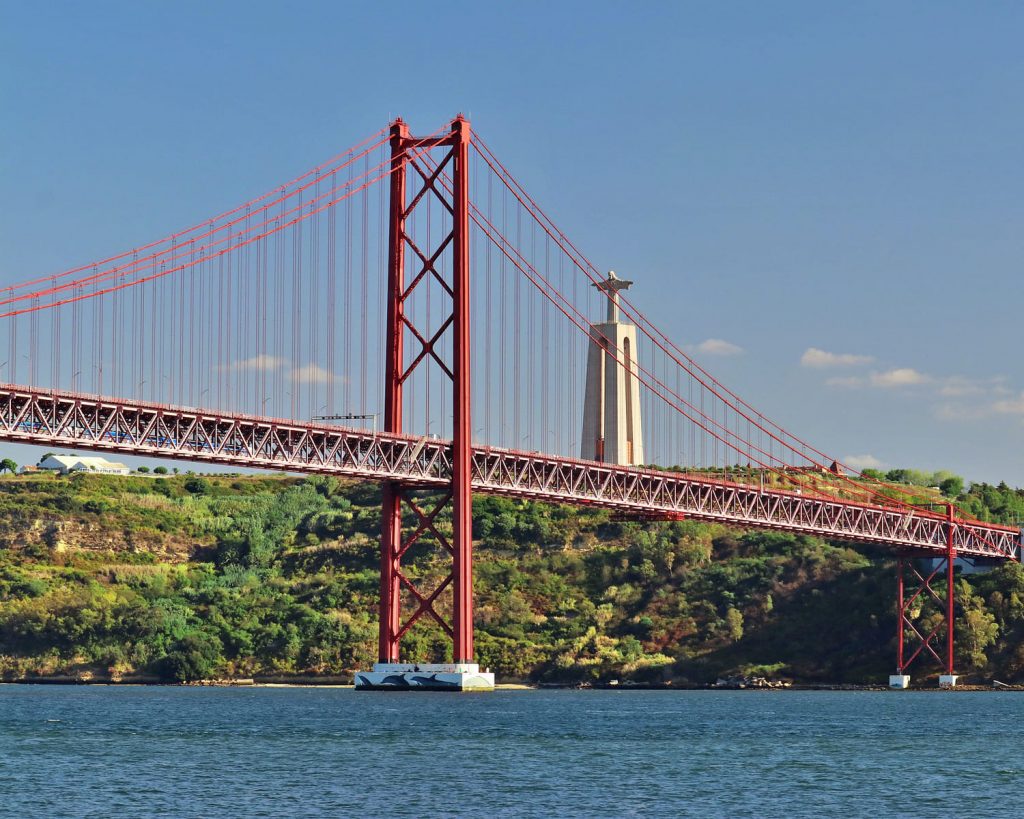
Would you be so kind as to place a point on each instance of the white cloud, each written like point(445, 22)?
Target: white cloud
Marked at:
point(956, 386)
point(862, 462)
point(257, 362)
point(313, 374)
point(819, 359)
point(955, 398)
point(899, 377)
point(949, 411)
point(1010, 406)
point(716, 346)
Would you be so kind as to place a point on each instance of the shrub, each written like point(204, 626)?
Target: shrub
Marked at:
point(195, 656)
point(197, 485)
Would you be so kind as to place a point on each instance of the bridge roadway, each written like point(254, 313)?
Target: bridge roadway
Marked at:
point(56, 418)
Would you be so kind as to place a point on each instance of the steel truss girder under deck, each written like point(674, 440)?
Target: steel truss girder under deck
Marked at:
point(33, 416)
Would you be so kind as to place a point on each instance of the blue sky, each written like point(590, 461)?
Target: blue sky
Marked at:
point(844, 179)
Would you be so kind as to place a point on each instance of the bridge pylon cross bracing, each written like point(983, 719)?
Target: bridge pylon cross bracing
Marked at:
point(909, 567)
point(413, 182)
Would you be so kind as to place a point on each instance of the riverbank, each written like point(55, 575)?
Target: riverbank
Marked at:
point(347, 682)
point(276, 579)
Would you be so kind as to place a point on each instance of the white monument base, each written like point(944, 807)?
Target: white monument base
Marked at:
point(948, 681)
point(899, 681)
point(425, 677)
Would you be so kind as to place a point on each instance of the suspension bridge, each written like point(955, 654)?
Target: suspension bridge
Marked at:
point(413, 282)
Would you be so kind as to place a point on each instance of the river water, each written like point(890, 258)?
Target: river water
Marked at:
point(213, 752)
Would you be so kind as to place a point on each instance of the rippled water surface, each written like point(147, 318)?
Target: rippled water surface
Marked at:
point(100, 751)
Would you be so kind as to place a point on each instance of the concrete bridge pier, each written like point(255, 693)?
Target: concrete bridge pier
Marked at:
point(425, 677)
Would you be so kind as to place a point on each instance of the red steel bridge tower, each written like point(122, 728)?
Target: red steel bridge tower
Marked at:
point(451, 251)
point(908, 598)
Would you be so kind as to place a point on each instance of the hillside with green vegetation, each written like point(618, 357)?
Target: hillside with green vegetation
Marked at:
point(187, 577)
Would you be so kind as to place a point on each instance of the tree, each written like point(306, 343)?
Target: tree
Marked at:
point(194, 657)
point(952, 487)
point(160, 470)
point(7, 465)
point(142, 470)
point(979, 630)
point(734, 623)
point(197, 485)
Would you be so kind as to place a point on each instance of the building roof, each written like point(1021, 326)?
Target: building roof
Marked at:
point(89, 462)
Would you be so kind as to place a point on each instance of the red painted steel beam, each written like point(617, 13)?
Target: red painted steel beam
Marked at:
point(950, 587)
point(901, 610)
point(904, 605)
point(455, 282)
point(462, 438)
point(390, 602)
point(33, 416)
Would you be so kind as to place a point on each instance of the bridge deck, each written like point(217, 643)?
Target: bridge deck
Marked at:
point(33, 416)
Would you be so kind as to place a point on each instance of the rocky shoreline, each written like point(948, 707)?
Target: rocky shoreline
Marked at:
point(345, 681)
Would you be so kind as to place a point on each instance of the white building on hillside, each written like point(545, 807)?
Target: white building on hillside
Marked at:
point(78, 463)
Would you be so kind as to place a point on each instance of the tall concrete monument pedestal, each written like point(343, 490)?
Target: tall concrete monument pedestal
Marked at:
point(612, 430)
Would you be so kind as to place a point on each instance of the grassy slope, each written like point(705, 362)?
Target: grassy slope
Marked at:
point(187, 577)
